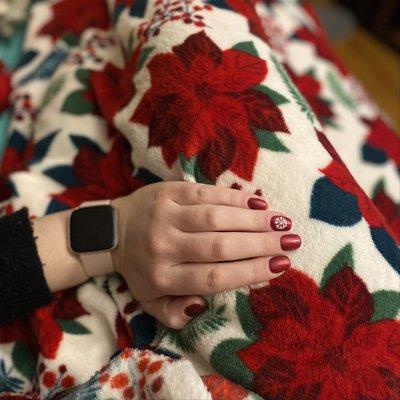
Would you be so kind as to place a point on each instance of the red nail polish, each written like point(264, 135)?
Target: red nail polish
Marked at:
point(281, 223)
point(290, 242)
point(279, 264)
point(195, 309)
point(257, 204)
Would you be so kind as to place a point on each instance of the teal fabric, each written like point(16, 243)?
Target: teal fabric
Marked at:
point(10, 53)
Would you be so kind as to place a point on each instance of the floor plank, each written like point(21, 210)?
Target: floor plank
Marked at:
point(378, 68)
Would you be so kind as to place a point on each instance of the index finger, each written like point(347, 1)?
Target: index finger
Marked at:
point(188, 193)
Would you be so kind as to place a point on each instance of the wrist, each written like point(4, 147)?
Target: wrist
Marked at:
point(93, 234)
point(62, 269)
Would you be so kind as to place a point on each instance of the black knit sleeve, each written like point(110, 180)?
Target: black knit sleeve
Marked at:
point(23, 286)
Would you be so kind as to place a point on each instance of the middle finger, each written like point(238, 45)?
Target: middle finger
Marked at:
point(228, 246)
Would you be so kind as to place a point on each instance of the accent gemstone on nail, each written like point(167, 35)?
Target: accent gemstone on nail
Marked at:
point(281, 223)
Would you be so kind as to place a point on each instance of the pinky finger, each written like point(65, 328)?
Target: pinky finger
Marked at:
point(175, 311)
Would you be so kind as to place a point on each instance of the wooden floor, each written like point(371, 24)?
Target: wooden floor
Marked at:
point(378, 68)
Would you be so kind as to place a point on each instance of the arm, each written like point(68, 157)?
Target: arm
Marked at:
point(178, 241)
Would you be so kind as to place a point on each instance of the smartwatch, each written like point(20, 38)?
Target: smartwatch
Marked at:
point(92, 234)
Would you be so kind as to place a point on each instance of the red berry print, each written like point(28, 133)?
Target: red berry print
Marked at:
point(157, 384)
point(119, 380)
point(49, 379)
point(67, 381)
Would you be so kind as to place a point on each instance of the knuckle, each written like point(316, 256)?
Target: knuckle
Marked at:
point(188, 190)
point(258, 219)
point(156, 244)
point(236, 197)
point(219, 249)
point(211, 217)
point(202, 194)
point(158, 281)
point(161, 197)
point(266, 243)
point(216, 279)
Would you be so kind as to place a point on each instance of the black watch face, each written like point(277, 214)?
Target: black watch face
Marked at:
point(93, 229)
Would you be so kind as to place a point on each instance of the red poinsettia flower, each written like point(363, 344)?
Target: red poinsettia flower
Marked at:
point(310, 88)
point(103, 176)
point(45, 323)
point(202, 103)
point(222, 389)
point(383, 138)
point(320, 343)
point(113, 87)
point(5, 87)
point(13, 160)
point(337, 173)
point(72, 16)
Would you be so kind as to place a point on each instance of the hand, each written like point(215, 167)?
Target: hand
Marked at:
point(180, 240)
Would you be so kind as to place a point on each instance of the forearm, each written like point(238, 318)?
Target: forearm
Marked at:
point(62, 269)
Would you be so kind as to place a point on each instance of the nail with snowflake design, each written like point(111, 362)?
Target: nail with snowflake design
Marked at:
point(281, 223)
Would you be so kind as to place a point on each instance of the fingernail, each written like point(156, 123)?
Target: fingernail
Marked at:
point(279, 264)
point(257, 204)
point(290, 242)
point(195, 309)
point(281, 223)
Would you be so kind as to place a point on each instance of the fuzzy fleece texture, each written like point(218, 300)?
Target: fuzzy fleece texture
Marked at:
point(114, 95)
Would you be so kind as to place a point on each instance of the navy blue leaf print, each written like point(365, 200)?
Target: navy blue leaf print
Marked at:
point(333, 205)
point(63, 174)
point(386, 246)
point(82, 141)
point(42, 147)
point(47, 67)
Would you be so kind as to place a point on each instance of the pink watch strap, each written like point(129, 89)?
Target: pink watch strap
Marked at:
point(96, 264)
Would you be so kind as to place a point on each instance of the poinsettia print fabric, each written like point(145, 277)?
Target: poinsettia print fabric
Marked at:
point(185, 108)
point(113, 95)
point(320, 341)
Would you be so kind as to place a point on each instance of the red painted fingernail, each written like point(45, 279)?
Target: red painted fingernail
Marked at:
point(195, 309)
point(257, 204)
point(281, 223)
point(279, 264)
point(290, 242)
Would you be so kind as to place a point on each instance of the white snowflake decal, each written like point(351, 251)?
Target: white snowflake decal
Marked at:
point(281, 223)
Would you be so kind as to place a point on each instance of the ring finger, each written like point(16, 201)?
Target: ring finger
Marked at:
point(228, 246)
point(206, 218)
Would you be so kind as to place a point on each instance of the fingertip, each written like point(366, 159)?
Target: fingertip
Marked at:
point(279, 264)
point(185, 308)
point(194, 309)
point(256, 203)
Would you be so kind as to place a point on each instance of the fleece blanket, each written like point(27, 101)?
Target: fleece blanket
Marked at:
point(112, 95)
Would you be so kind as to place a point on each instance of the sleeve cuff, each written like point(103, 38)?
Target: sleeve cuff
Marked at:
point(23, 286)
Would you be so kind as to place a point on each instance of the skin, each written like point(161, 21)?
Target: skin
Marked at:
point(178, 241)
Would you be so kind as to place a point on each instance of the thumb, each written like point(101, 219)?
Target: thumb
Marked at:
point(175, 311)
